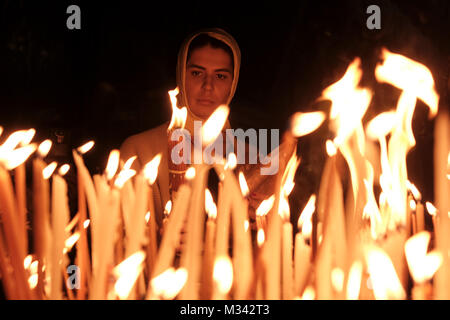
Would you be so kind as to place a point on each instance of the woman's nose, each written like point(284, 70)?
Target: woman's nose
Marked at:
point(207, 83)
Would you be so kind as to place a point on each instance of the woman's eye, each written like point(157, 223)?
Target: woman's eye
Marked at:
point(195, 73)
point(221, 76)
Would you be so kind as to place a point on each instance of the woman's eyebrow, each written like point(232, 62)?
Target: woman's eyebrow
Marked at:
point(192, 65)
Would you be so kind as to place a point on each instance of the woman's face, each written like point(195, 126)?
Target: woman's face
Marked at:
point(209, 75)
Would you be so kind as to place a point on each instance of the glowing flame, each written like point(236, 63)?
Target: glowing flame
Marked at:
point(265, 206)
point(381, 125)
point(289, 175)
point(408, 75)
point(168, 207)
point(412, 204)
point(48, 170)
point(64, 169)
point(127, 273)
point(190, 173)
point(123, 177)
point(304, 222)
point(349, 103)
point(86, 147)
point(231, 161)
point(337, 279)
point(113, 164)
point(27, 261)
point(354, 281)
point(33, 280)
point(431, 209)
point(331, 148)
point(309, 293)
point(129, 163)
point(179, 115)
point(86, 223)
point(211, 208)
point(261, 237)
point(147, 217)
point(386, 284)
point(28, 136)
point(44, 148)
point(21, 137)
point(415, 192)
point(18, 156)
point(223, 274)
point(168, 284)
point(34, 267)
point(243, 184)
point(305, 123)
point(421, 265)
point(151, 169)
point(213, 126)
point(70, 242)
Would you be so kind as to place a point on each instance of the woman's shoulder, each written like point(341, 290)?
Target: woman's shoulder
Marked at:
point(145, 145)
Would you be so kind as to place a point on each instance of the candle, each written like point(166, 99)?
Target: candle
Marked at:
point(288, 279)
point(420, 217)
point(19, 179)
point(302, 263)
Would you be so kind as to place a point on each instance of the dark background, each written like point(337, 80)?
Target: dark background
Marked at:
point(110, 79)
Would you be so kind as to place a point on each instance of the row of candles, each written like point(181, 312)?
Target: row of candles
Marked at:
point(356, 247)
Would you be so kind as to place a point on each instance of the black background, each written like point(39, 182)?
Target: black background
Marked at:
point(110, 79)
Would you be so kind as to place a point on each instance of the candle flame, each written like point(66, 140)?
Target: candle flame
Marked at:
point(386, 284)
point(337, 279)
point(129, 163)
point(64, 169)
point(331, 148)
point(147, 217)
point(223, 274)
point(231, 161)
point(44, 148)
point(210, 206)
point(415, 192)
point(431, 209)
point(305, 123)
point(18, 156)
point(265, 206)
point(243, 184)
point(354, 281)
point(168, 207)
point(306, 214)
point(86, 223)
point(421, 265)
point(34, 267)
point(309, 293)
point(408, 75)
point(14, 139)
point(48, 170)
point(27, 261)
point(190, 173)
point(412, 204)
point(179, 115)
point(381, 125)
point(151, 169)
point(261, 237)
point(70, 242)
point(86, 147)
point(72, 223)
point(214, 124)
point(33, 280)
point(168, 284)
point(28, 136)
point(123, 176)
point(113, 164)
point(127, 273)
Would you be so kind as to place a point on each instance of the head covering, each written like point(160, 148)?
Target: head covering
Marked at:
point(218, 34)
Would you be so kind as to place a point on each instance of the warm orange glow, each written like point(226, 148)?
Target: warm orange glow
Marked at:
point(27, 261)
point(309, 293)
point(64, 169)
point(415, 192)
point(86, 147)
point(421, 265)
point(147, 217)
point(86, 223)
point(44, 148)
point(305, 123)
point(331, 148)
point(381, 125)
point(127, 273)
point(151, 169)
point(431, 208)
point(261, 237)
point(113, 164)
point(129, 163)
point(210, 206)
point(179, 115)
point(123, 176)
point(243, 184)
point(231, 162)
point(18, 156)
point(48, 170)
point(337, 279)
point(307, 212)
point(265, 206)
point(223, 274)
point(354, 281)
point(408, 75)
point(386, 285)
point(28, 136)
point(190, 173)
point(213, 126)
point(33, 280)
point(13, 140)
point(70, 242)
point(168, 284)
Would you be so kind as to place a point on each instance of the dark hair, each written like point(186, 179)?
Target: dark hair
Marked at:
point(204, 40)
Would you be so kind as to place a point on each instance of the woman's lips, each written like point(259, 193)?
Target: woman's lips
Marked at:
point(205, 101)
